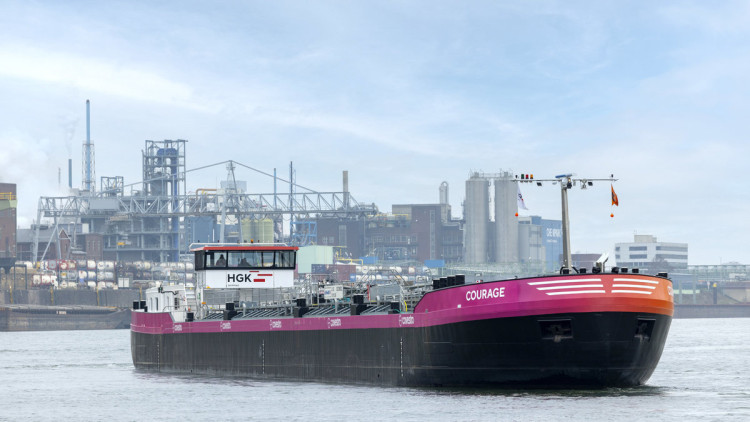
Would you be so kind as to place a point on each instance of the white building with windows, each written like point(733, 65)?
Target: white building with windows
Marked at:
point(646, 252)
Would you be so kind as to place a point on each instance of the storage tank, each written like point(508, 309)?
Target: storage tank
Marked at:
point(265, 230)
point(476, 215)
point(506, 222)
point(247, 229)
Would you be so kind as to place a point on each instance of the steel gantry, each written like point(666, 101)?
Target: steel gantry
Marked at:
point(157, 217)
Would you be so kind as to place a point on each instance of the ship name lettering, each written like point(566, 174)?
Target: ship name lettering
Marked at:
point(336, 322)
point(485, 294)
point(178, 327)
point(275, 324)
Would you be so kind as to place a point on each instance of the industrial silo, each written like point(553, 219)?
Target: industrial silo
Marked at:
point(476, 216)
point(506, 222)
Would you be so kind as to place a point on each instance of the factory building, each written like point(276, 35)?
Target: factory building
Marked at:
point(428, 232)
point(645, 252)
point(8, 204)
point(411, 232)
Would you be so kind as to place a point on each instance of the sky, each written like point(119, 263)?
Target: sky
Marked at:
point(404, 95)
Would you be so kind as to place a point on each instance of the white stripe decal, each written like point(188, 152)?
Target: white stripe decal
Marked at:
point(637, 280)
point(631, 291)
point(577, 292)
point(578, 280)
point(569, 287)
point(634, 286)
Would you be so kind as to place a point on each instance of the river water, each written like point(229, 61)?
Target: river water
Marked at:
point(704, 374)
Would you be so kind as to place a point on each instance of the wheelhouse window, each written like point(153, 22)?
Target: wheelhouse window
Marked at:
point(246, 259)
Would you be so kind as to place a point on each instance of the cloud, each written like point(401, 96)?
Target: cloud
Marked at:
point(93, 75)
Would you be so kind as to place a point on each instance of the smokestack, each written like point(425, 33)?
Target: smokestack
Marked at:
point(70, 173)
point(88, 155)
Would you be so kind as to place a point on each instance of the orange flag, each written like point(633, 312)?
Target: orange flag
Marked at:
point(614, 197)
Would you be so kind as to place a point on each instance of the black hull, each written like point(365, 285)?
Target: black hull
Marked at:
point(582, 349)
point(58, 318)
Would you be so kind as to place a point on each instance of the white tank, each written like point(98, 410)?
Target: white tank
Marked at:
point(101, 285)
point(91, 284)
point(412, 271)
point(63, 265)
point(189, 266)
point(146, 265)
point(105, 275)
point(36, 279)
point(109, 265)
point(90, 264)
point(189, 277)
point(72, 264)
point(46, 279)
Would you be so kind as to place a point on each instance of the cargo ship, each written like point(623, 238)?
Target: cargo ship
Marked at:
point(580, 327)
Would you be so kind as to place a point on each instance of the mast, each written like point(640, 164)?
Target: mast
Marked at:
point(565, 184)
point(567, 181)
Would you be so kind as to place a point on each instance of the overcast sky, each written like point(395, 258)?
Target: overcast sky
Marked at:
point(404, 95)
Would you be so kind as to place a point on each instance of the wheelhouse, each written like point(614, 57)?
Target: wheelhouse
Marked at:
point(244, 266)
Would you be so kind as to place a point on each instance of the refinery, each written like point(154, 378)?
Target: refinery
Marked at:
point(110, 235)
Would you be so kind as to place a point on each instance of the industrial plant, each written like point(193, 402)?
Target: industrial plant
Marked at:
point(109, 234)
point(156, 219)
